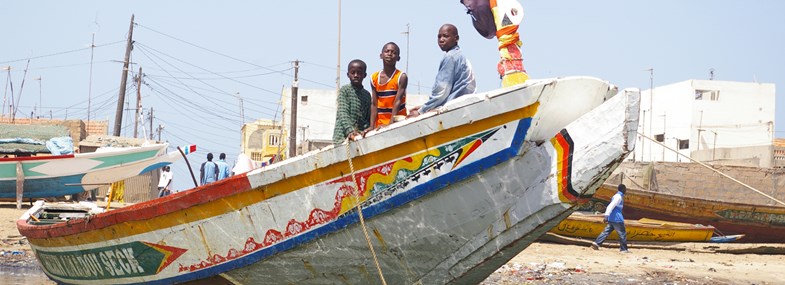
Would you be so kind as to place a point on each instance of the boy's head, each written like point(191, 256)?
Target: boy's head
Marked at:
point(356, 72)
point(210, 156)
point(447, 37)
point(391, 54)
point(622, 188)
point(222, 156)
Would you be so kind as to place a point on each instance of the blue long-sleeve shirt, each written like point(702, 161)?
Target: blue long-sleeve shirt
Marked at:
point(615, 207)
point(455, 79)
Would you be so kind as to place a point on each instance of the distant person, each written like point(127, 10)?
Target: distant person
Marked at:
point(208, 173)
point(388, 88)
point(223, 167)
point(165, 182)
point(615, 220)
point(353, 112)
point(455, 77)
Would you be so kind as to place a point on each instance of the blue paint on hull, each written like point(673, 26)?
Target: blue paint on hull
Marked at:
point(43, 187)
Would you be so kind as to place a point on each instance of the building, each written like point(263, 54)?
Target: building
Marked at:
point(721, 122)
point(262, 140)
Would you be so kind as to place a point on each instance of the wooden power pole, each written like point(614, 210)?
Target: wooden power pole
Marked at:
point(293, 123)
point(118, 118)
point(138, 102)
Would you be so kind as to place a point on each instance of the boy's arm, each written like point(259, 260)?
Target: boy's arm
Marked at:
point(374, 106)
point(403, 82)
point(443, 85)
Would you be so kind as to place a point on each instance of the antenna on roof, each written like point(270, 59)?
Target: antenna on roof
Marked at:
point(711, 73)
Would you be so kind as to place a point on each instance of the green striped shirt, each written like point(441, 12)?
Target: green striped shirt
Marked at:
point(353, 112)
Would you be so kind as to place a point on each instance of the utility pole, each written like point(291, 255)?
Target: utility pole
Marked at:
point(118, 118)
point(138, 102)
point(40, 102)
point(293, 122)
point(19, 98)
point(160, 128)
point(151, 122)
point(242, 110)
point(407, 47)
point(90, 87)
point(651, 107)
point(5, 95)
point(338, 69)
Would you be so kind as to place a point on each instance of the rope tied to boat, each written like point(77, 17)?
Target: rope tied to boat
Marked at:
point(356, 190)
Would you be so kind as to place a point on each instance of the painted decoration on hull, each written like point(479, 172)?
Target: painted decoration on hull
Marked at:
point(564, 147)
point(126, 260)
point(376, 186)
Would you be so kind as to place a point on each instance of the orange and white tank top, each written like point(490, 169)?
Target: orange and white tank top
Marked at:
point(385, 94)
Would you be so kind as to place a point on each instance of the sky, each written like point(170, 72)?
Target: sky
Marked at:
point(201, 58)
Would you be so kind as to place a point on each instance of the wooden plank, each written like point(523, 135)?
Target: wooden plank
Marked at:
point(20, 181)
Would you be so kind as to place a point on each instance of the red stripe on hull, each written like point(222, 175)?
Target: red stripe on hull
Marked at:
point(142, 211)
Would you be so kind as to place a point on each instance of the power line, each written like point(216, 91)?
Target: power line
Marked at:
point(59, 53)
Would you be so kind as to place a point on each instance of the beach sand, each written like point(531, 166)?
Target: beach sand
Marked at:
point(545, 263)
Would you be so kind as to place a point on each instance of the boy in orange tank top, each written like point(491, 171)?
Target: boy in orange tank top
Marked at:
point(388, 88)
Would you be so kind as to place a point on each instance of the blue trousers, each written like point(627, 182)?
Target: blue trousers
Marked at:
point(619, 227)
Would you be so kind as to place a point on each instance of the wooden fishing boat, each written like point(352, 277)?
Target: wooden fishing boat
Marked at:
point(585, 225)
point(446, 197)
point(701, 197)
point(56, 176)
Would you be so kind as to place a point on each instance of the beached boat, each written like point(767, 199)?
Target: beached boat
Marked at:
point(702, 197)
point(56, 176)
point(446, 197)
point(586, 225)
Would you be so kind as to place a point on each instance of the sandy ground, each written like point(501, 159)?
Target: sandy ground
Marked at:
point(545, 263)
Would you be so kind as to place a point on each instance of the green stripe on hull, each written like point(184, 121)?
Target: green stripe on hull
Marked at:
point(8, 170)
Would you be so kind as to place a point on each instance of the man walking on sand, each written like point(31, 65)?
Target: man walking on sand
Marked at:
point(615, 220)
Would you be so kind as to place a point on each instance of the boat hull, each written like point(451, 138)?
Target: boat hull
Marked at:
point(55, 176)
point(758, 224)
point(445, 198)
point(590, 226)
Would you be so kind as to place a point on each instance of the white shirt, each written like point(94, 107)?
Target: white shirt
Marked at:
point(166, 177)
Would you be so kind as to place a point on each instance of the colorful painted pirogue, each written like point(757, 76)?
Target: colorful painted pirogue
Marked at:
point(590, 226)
point(55, 176)
point(448, 196)
point(697, 198)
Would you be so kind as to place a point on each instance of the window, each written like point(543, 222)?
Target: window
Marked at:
point(660, 137)
point(684, 144)
point(304, 99)
point(257, 156)
point(274, 140)
point(713, 95)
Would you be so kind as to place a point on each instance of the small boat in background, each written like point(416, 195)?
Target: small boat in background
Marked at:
point(585, 225)
point(691, 193)
point(60, 175)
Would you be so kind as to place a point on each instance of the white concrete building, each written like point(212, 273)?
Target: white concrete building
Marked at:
point(316, 115)
point(708, 120)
